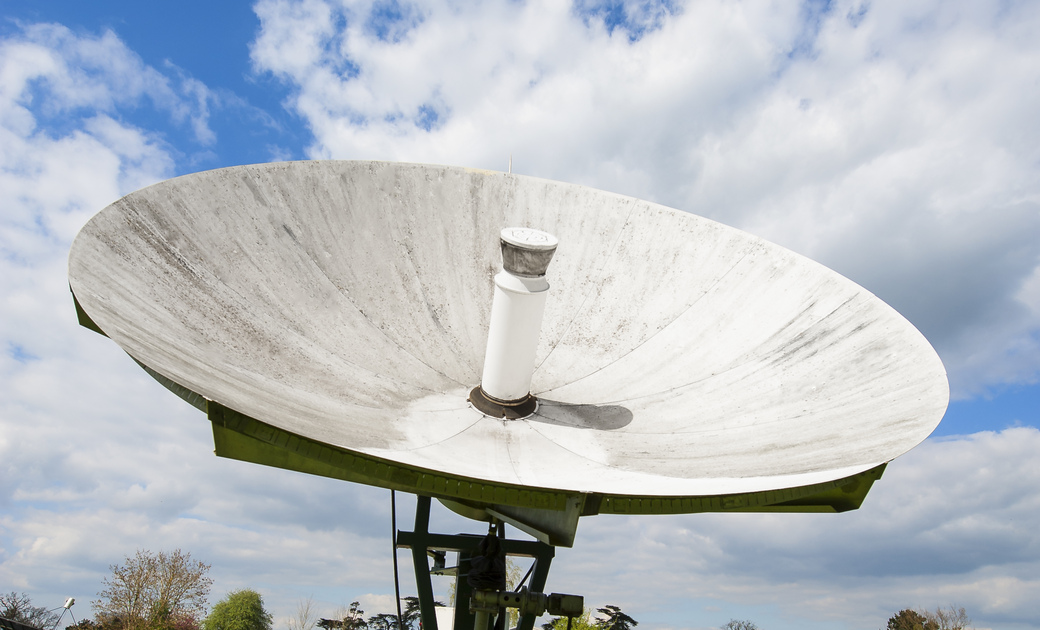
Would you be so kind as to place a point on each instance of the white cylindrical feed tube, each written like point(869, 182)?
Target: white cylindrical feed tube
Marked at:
point(516, 321)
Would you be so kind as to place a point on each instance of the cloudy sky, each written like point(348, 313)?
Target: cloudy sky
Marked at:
point(896, 141)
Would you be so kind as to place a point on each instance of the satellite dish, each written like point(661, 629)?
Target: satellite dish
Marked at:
point(332, 317)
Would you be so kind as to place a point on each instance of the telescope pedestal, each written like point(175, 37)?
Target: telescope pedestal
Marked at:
point(422, 542)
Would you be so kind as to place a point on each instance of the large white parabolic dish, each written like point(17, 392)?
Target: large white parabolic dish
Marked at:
point(345, 305)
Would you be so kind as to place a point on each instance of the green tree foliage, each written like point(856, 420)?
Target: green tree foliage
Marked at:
point(18, 607)
point(943, 618)
point(163, 591)
point(908, 619)
point(740, 624)
point(382, 621)
point(239, 610)
point(351, 619)
point(513, 577)
point(412, 614)
point(162, 618)
point(613, 619)
point(97, 623)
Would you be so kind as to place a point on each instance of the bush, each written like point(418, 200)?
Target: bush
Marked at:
point(239, 610)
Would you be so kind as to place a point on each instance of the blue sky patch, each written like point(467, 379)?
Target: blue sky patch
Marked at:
point(428, 117)
point(813, 14)
point(19, 353)
point(246, 112)
point(1008, 407)
point(390, 21)
point(857, 14)
point(635, 18)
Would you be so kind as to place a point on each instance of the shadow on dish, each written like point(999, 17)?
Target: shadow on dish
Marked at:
point(597, 417)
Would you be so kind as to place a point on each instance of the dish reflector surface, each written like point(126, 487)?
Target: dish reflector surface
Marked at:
point(348, 303)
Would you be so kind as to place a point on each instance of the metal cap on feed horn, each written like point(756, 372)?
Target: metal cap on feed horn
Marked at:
point(527, 252)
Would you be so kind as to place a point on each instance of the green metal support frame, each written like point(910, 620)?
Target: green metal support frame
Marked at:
point(238, 436)
point(421, 541)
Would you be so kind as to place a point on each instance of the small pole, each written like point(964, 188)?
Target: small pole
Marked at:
point(397, 580)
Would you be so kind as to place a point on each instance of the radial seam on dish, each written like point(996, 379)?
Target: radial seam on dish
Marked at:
point(729, 367)
point(426, 303)
point(453, 435)
point(607, 260)
point(362, 368)
point(647, 339)
point(815, 324)
point(234, 295)
point(556, 443)
point(294, 403)
point(389, 339)
point(310, 259)
point(512, 461)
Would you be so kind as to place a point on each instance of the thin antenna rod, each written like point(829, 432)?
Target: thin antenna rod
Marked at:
point(510, 163)
point(393, 537)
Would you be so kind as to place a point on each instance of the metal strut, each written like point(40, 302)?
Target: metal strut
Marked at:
point(425, 545)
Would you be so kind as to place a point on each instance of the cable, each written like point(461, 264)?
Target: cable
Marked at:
point(393, 538)
point(524, 580)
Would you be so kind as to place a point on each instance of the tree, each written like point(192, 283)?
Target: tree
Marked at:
point(98, 623)
point(181, 622)
point(582, 622)
point(908, 619)
point(163, 591)
point(304, 619)
point(239, 610)
point(382, 621)
point(740, 624)
point(19, 608)
point(513, 577)
point(614, 619)
point(411, 617)
point(412, 614)
point(352, 619)
point(949, 618)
